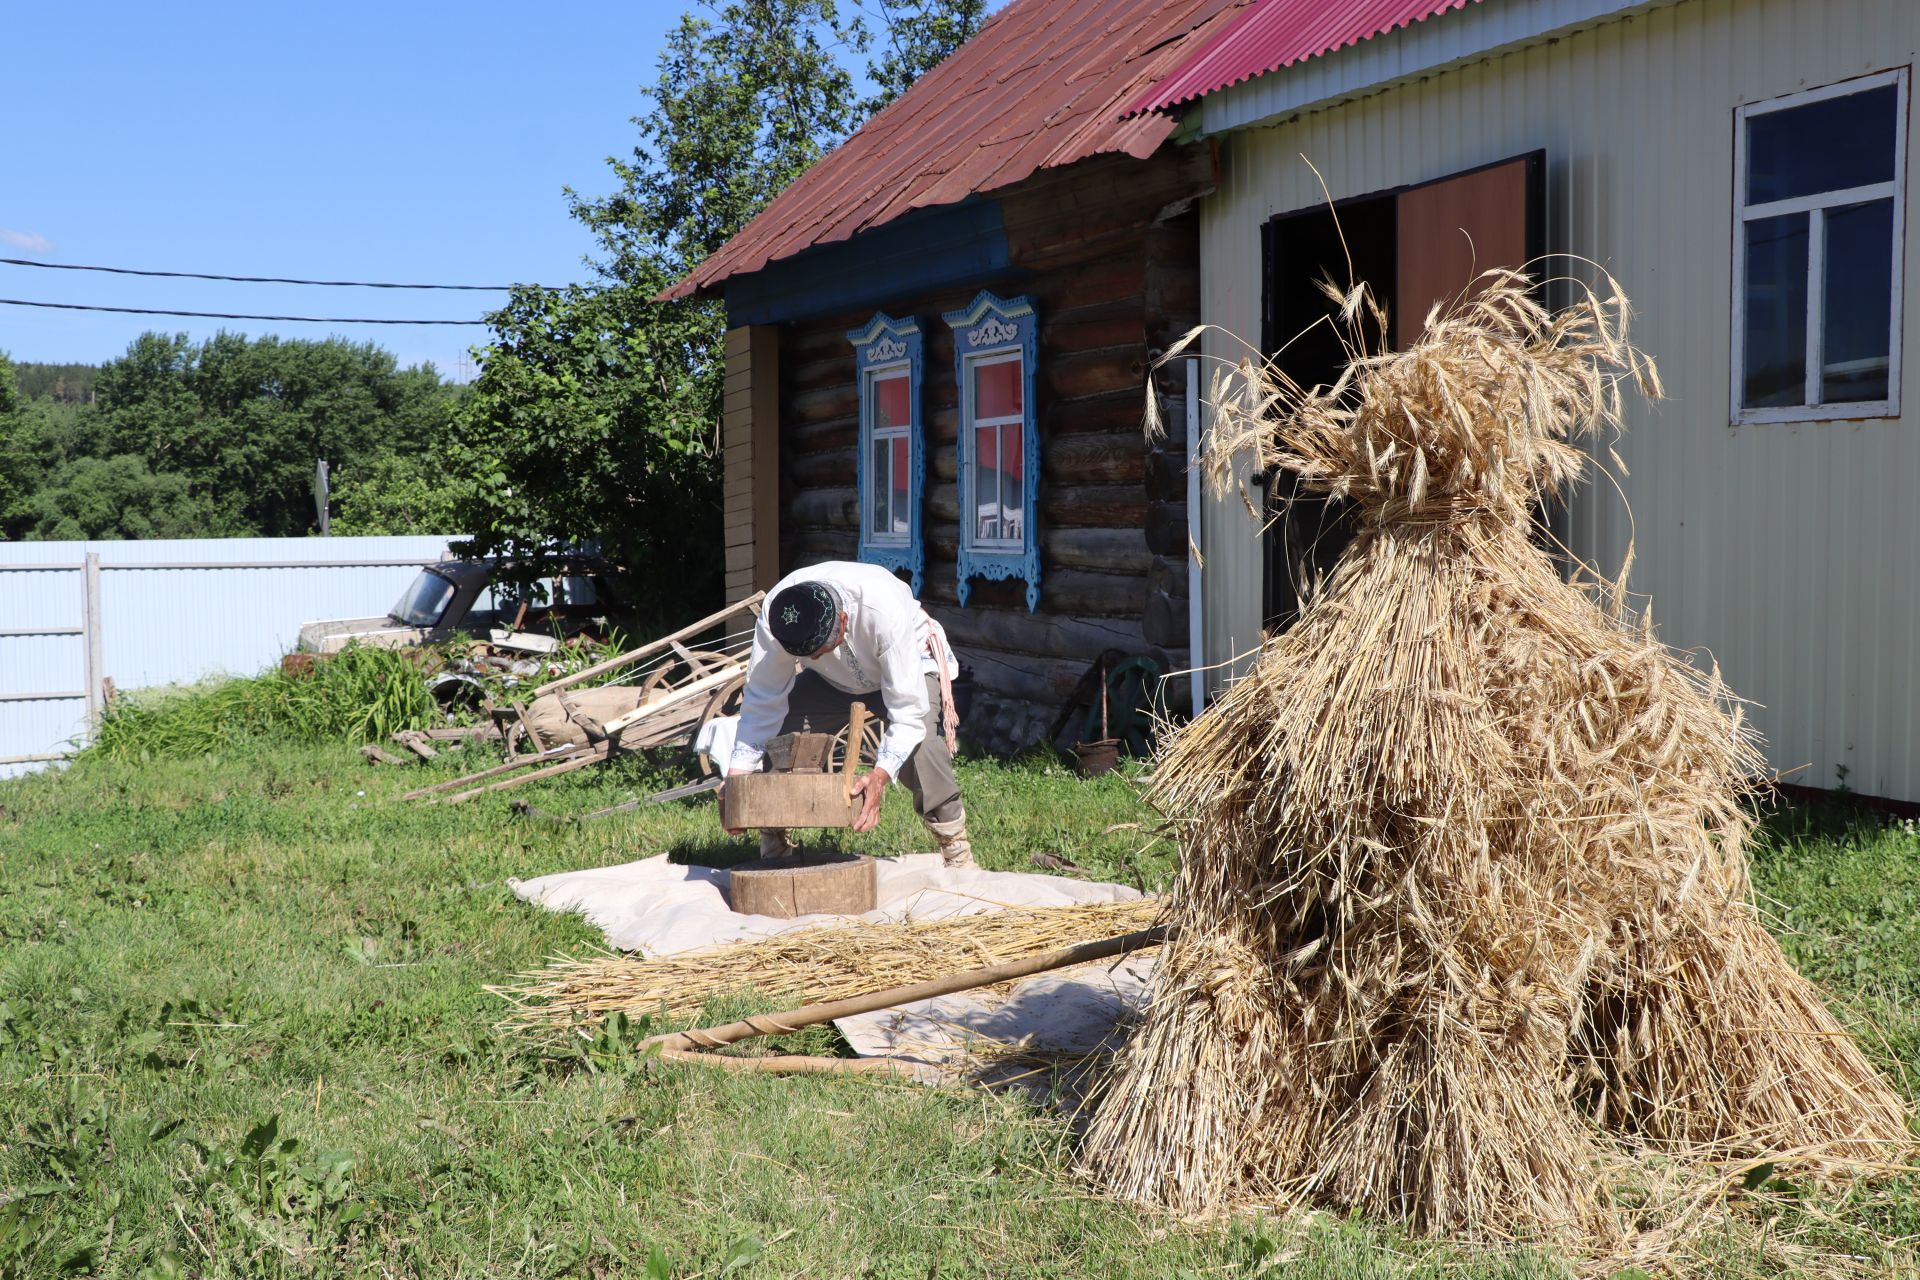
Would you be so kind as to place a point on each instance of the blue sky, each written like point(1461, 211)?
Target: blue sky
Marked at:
point(347, 140)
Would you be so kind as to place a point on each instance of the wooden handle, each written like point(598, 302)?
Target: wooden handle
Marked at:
point(856, 730)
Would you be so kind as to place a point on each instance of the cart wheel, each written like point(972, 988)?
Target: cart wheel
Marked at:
point(675, 671)
point(869, 744)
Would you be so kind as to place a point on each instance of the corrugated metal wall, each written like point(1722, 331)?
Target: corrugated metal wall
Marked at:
point(172, 611)
point(1786, 552)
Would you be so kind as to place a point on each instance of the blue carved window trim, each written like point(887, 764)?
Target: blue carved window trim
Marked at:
point(989, 331)
point(886, 348)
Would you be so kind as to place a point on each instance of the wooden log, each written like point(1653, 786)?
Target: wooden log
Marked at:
point(1167, 528)
point(749, 604)
point(1015, 631)
point(1104, 550)
point(1116, 458)
point(1108, 324)
point(1122, 409)
point(376, 755)
point(1062, 591)
point(825, 508)
point(801, 436)
point(1168, 576)
point(1165, 621)
point(1166, 475)
point(825, 468)
point(1024, 678)
point(822, 370)
point(836, 884)
point(1088, 373)
point(811, 546)
point(839, 401)
point(773, 1024)
point(1098, 506)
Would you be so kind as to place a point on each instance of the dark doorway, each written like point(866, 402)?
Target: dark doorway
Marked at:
point(1412, 246)
point(1351, 243)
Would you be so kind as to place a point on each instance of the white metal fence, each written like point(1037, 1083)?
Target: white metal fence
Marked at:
point(75, 615)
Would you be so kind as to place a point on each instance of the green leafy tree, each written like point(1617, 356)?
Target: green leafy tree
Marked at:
point(14, 459)
point(117, 497)
point(394, 493)
point(596, 413)
point(245, 420)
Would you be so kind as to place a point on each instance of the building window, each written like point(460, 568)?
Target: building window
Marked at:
point(994, 344)
point(892, 462)
point(1819, 216)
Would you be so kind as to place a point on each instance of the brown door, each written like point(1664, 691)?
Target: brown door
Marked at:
point(1451, 230)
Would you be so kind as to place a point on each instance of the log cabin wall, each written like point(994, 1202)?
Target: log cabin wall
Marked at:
point(1108, 251)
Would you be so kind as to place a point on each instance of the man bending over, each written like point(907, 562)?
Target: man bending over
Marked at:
point(842, 632)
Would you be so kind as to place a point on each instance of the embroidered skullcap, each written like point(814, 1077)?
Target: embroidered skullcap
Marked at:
point(804, 617)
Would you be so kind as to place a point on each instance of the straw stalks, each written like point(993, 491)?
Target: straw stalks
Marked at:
point(1463, 929)
point(814, 965)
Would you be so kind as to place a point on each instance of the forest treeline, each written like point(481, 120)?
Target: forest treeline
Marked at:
point(217, 439)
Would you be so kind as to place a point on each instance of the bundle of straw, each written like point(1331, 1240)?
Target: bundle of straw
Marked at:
point(811, 965)
point(1463, 915)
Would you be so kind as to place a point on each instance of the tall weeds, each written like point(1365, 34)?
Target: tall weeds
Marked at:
point(359, 695)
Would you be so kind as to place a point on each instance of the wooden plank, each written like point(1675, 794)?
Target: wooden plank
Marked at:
point(688, 632)
point(685, 655)
point(509, 767)
point(416, 742)
point(677, 697)
point(593, 756)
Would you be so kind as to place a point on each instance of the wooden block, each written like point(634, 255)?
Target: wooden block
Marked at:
point(787, 800)
point(841, 884)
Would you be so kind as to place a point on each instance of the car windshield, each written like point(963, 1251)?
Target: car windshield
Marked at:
point(422, 603)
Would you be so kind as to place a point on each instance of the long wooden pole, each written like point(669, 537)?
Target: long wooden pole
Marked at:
point(593, 755)
point(454, 784)
point(775, 1024)
point(648, 650)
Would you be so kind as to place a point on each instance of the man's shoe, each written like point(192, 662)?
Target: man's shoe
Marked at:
point(955, 849)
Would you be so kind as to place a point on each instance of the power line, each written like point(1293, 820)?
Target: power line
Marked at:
point(200, 275)
point(219, 315)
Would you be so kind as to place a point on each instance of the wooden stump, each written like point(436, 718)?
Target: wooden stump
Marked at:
point(840, 884)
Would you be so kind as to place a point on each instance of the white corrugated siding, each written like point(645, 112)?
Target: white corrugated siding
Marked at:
point(1785, 552)
point(174, 625)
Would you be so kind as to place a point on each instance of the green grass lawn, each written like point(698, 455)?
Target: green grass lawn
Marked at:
point(242, 1031)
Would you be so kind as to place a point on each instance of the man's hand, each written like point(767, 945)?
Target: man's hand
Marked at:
point(721, 797)
point(868, 789)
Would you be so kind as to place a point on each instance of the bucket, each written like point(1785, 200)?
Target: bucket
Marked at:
point(1095, 758)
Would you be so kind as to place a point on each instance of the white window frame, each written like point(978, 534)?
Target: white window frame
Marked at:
point(1815, 207)
point(873, 377)
point(1013, 356)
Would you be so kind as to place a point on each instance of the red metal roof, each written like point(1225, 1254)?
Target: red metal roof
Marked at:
point(1278, 33)
point(1044, 83)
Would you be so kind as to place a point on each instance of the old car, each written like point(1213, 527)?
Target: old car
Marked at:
point(475, 597)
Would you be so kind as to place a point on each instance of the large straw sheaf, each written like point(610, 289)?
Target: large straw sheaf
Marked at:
point(1462, 921)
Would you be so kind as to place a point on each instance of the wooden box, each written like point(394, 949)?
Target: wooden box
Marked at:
point(787, 800)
